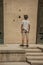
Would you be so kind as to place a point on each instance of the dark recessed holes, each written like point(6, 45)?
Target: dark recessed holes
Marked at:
point(19, 16)
point(19, 10)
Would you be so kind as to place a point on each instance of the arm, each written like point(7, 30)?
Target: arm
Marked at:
point(28, 27)
point(21, 28)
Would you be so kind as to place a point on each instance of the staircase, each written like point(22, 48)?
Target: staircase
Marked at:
point(12, 55)
point(16, 55)
point(34, 56)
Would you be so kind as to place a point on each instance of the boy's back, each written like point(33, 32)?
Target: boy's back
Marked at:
point(25, 24)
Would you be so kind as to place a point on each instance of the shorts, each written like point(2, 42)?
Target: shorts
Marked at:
point(25, 31)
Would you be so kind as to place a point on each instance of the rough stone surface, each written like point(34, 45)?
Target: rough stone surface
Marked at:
point(14, 63)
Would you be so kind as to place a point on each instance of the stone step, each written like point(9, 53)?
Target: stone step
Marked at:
point(35, 62)
point(34, 57)
point(34, 54)
point(30, 47)
point(14, 63)
point(33, 50)
point(12, 55)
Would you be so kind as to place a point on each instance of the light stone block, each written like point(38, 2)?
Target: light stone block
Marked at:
point(12, 55)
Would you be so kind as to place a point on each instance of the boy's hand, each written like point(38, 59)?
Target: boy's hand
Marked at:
point(28, 31)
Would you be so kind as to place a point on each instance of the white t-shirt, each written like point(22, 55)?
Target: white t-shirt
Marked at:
point(25, 24)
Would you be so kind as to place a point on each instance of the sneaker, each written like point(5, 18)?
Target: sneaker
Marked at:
point(21, 45)
point(26, 45)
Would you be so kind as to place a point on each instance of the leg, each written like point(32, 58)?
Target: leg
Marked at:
point(27, 39)
point(23, 36)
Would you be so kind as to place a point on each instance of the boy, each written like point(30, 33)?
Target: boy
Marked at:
point(25, 28)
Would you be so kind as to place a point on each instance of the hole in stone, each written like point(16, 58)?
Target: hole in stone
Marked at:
point(14, 20)
point(19, 16)
point(19, 9)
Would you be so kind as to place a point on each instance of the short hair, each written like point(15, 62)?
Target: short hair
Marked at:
point(25, 17)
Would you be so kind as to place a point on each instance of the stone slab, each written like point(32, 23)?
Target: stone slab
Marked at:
point(34, 57)
point(35, 62)
point(10, 53)
point(32, 50)
point(34, 54)
point(14, 63)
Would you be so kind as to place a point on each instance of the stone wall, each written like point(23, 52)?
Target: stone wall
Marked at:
point(12, 10)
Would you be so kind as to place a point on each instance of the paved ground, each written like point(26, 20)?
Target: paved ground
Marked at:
point(17, 46)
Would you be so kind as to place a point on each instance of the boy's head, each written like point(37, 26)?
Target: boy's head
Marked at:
point(25, 17)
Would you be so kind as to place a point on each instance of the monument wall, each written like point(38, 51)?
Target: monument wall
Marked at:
point(13, 15)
